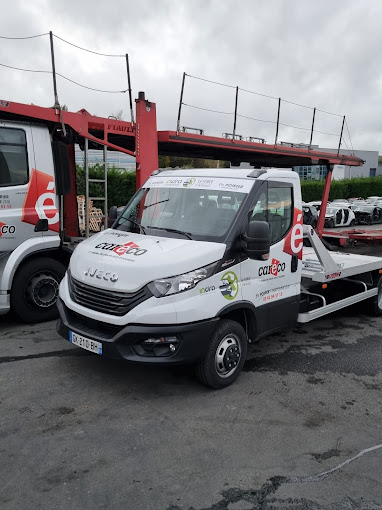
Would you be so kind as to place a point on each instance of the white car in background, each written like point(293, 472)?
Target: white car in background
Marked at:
point(339, 217)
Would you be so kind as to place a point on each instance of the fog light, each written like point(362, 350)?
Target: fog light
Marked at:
point(162, 340)
point(172, 347)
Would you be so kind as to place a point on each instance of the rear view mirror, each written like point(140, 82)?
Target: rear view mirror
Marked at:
point(113, 213)
point(257, 239)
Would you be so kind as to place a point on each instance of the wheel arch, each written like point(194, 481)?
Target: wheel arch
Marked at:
point(28, 251)
point(244, 313)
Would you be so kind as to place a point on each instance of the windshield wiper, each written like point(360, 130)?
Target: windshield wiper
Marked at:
point(155, 203)
point(187, 234)
point(134, 222)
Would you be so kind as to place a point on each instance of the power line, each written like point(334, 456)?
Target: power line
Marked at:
point(90, 88)
point(89, 51)
point(294, 127)
point(322, 133)
point(22, 38)
point(257, 120)
point(296, 104)
point(329, 113)
point(210, 81)
point(65, 78)
point(26, 70)
point(207, 109)
point(258, 94)
point(262, 95)
point(347, 128)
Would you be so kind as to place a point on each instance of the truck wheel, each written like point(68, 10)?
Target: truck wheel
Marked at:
point(375, 307)
point(225, 357)
point(35, 290)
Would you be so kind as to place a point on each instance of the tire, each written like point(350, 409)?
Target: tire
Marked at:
point(331, 223)
point(228, 345)
point(375, 304)
point(35, 290)
point(352, 223)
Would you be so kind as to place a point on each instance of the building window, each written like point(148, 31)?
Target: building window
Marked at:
point(311, 173)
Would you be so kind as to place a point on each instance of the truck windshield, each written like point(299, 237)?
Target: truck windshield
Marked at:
point(181, 212)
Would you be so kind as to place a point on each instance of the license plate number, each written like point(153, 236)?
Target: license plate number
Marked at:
point(85, 343)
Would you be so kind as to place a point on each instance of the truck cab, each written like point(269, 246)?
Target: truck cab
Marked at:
point(198, 262)
point(32, 263)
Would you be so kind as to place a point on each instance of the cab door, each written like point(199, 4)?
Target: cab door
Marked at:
point(16, 163)
point(272, 286)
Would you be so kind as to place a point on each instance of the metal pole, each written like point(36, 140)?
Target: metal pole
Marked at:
point(86, 188)
point(180, 104)
point(106, 224)
point(342, 130)
point(278, 118)
point(56, 102)
point(234, 122)
point(311, 133)
point(324, 202)
point(129, 84)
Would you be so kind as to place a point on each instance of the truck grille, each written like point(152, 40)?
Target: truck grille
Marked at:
point(106, 301)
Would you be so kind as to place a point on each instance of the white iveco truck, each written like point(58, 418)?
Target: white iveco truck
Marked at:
point(200, 263)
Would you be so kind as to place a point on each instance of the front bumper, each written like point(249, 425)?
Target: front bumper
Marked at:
point(123, 342)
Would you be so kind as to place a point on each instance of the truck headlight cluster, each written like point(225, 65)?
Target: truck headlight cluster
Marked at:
point(182, 282)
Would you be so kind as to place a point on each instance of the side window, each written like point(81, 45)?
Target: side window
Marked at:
point(280, 211)
point(13, 157)
point(275, 207)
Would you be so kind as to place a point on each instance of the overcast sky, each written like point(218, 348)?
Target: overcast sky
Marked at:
point(324, 54)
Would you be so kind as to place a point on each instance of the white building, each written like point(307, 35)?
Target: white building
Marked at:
point(114, 159)
point(368, 169)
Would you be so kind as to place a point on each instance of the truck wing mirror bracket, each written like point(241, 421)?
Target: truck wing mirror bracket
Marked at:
point(113, 213)
point(257, 239)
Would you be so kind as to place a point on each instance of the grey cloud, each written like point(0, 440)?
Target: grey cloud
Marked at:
point(323, 54)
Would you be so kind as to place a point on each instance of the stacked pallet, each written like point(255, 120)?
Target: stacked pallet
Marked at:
point(95, 215)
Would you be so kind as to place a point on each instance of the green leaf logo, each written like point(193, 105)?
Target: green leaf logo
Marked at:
point(229, 286)
point(190, 182)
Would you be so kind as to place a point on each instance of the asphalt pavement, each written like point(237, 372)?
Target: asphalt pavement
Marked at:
point(300, 428)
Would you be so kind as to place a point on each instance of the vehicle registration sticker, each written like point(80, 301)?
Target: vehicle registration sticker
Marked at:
point(85, 343)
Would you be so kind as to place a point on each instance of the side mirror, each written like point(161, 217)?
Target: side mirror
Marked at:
point(113, 213)
point(257, 239)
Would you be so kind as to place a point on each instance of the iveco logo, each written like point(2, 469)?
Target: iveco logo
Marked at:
point(101, 275)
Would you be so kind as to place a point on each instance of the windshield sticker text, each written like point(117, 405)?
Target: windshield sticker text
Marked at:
point(242, 185)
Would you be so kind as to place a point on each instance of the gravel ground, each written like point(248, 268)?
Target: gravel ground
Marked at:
point(300, 429)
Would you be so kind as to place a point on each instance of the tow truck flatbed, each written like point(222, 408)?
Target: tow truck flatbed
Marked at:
point(348, 265)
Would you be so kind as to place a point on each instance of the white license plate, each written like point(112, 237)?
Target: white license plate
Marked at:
point(85, 343)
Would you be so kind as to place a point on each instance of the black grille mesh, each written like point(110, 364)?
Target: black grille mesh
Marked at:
point(106, 301)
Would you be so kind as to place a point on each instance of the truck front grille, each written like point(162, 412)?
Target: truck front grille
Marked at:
point(106, 301)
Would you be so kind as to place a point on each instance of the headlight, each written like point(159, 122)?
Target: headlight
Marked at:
point(176, 284)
